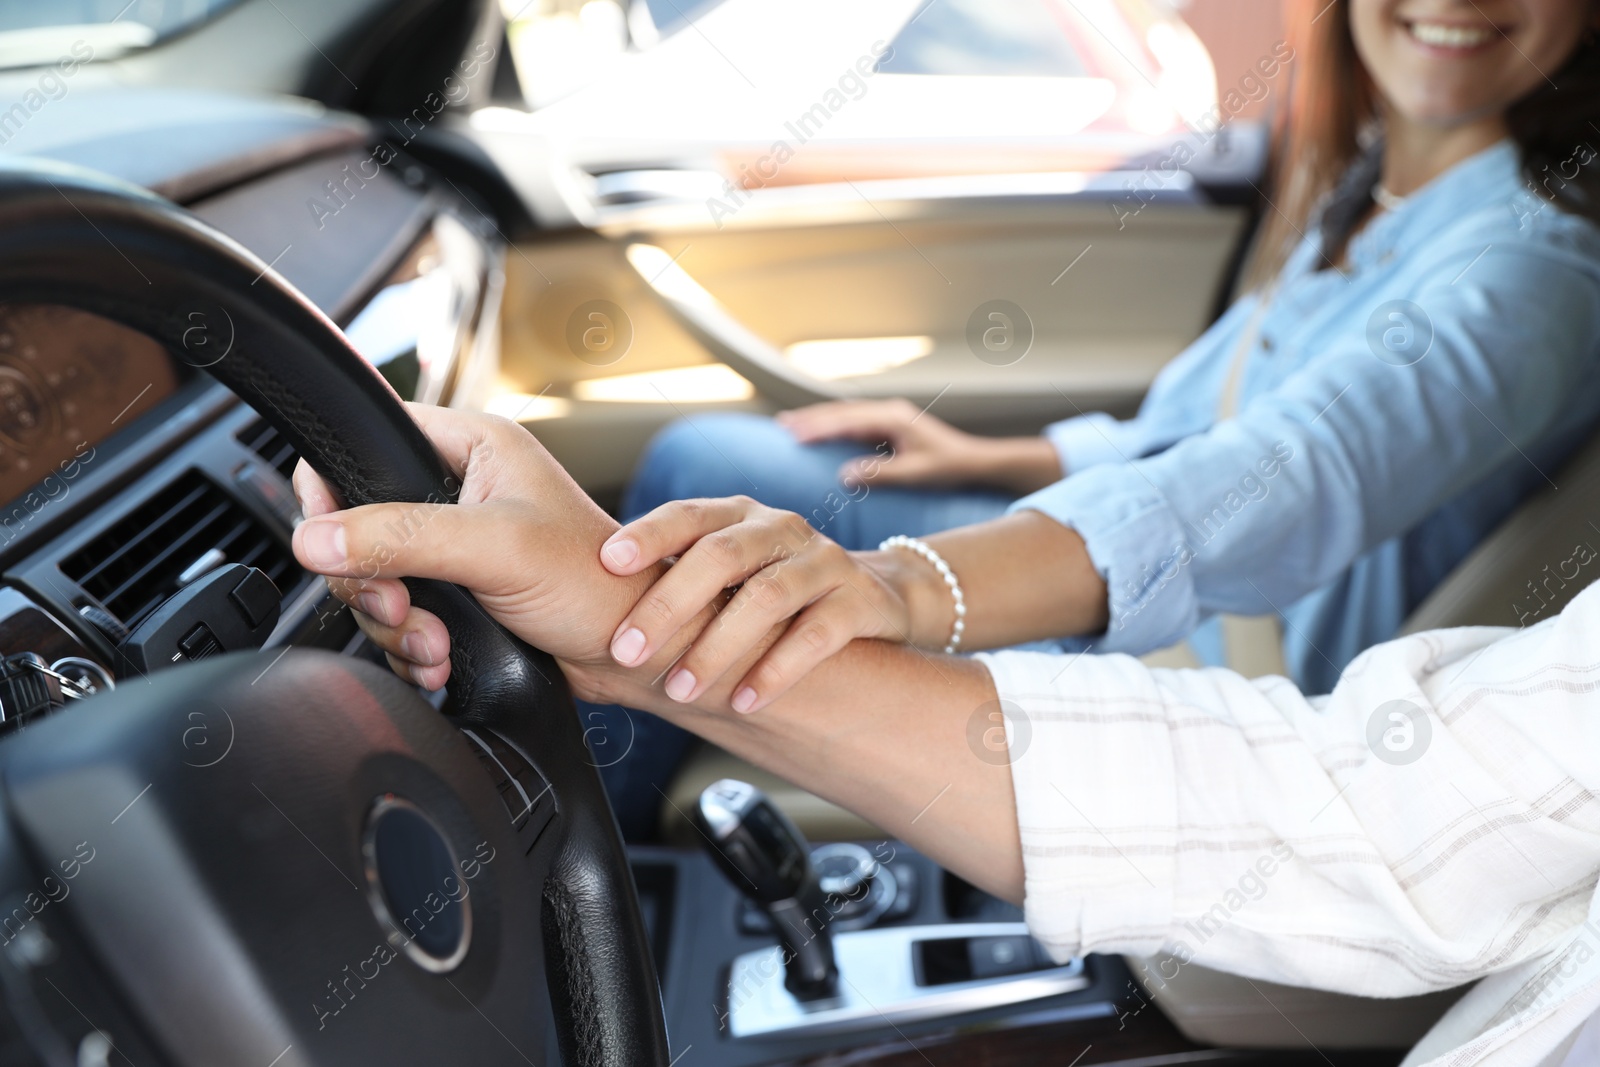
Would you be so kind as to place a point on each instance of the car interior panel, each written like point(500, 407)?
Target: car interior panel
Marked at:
point(296, 268)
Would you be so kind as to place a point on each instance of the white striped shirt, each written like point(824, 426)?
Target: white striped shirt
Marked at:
point(1432, 822)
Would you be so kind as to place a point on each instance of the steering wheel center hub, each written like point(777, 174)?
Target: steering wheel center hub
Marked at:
point(414, 887)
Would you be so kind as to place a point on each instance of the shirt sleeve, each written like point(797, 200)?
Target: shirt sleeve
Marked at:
point(1431, 822)
point(1257, 511)
point(1094, 438)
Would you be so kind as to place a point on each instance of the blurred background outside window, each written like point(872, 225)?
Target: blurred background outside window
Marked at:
point(1163, 56)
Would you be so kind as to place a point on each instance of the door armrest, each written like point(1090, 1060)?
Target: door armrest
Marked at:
point(729, 340)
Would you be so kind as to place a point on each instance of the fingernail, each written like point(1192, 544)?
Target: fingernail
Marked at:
point(324, 543)
point(370, 604)
point(680, 685)
point(415, 646)
point(744, 700)
point(628, 646)
point(421, 675)
point(622, 552)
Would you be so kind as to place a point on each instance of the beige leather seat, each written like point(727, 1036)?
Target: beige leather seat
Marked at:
point(1534, 563)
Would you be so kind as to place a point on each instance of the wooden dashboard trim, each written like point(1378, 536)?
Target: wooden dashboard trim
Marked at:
point(25, 626)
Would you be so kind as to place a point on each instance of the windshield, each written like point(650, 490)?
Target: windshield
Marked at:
point(38, 31)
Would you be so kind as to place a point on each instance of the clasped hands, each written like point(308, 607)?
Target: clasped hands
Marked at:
point(719, 603)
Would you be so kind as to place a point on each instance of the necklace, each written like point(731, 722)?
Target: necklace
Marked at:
point(1385, 199)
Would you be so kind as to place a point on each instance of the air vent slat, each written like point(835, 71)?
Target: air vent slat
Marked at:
point(133, 566)
point(244, 528)
point(147, 606)
point(190, 545)
point(263, 438)
point(260, 554)
point(164, 519)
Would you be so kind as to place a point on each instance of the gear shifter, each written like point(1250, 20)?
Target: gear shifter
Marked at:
point(767, 858)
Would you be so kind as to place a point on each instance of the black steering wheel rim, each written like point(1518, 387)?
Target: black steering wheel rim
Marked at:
point(72, 237)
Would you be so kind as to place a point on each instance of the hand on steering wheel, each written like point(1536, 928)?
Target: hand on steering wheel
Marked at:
point(523, 538)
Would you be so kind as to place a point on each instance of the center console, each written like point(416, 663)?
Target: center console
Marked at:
point(886, 947)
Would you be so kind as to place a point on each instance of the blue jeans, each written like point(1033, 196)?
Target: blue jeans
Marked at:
point(730, 455)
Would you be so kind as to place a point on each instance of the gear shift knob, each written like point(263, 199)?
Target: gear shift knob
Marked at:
point(766, 857)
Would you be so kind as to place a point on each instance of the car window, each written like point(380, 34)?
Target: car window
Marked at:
point(560, 46)
point(1015, 37)
point(37, 32)
point(670, 16)
point(161, 16)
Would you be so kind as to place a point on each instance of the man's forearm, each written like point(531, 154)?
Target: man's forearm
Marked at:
point(902, 738)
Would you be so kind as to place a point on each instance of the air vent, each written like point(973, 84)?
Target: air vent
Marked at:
point(134, 566)
point(263, 438)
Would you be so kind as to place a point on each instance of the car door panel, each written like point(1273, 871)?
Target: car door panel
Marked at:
point(1108, 296)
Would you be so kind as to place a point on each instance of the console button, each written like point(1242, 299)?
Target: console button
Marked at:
point(256, 598)
point(905, 897)
point(199, 642)
point(524, 792)
point(994, 957)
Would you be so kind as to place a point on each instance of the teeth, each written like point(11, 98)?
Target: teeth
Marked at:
point(1440, 35)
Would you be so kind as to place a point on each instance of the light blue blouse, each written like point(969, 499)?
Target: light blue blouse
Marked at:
point(1388, 415)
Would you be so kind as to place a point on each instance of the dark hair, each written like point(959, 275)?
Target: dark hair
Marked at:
point(1333, 100)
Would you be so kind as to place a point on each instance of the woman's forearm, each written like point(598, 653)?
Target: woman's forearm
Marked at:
point(1019, 464)
point(911, 741)
point(1025, 577)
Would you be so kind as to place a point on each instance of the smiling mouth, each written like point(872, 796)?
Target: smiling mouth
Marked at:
point(1450, 36)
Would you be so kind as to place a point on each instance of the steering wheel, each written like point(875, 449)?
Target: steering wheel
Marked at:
point(343, 884)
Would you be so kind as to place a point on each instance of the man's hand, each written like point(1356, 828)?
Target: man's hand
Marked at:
point(927, 450)
point(878, 728)
point(524, 538)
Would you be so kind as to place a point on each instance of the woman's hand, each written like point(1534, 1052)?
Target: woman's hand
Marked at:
point(524, 538)
point(926, 449)
point(782, 571)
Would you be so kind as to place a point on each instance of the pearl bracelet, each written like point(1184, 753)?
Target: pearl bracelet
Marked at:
point(923, 549)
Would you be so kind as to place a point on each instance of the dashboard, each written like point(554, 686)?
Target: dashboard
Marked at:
point(127, 473)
